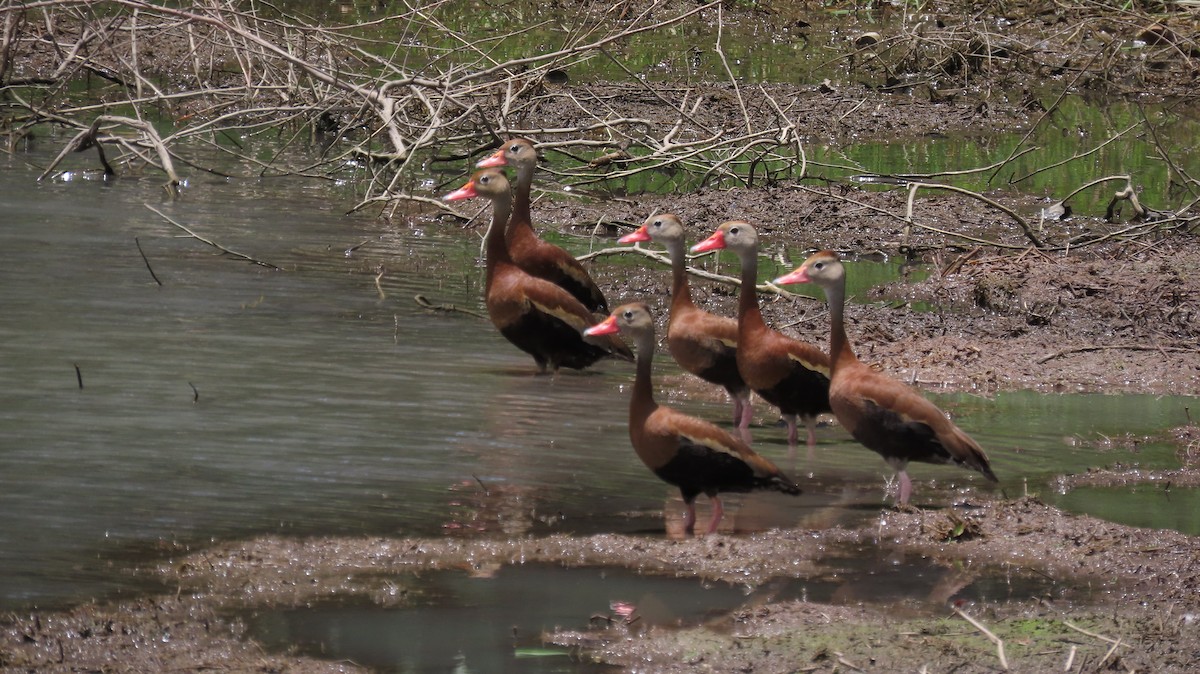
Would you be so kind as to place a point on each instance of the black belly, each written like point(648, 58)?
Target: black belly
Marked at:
point(802, 392)
point(696, 469)
point(551, 341)
point(897, 438)
point(724, 372)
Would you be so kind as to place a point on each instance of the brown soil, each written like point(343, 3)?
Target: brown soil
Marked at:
point(1121, 315)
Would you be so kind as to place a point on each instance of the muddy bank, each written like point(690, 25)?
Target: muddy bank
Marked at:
point(1109, 583)
point(1117, 317)
point(1143, 619)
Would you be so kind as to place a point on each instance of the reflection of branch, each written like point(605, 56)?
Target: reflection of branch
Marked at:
point(1079, 155)
point(906, 177)
point(218, 246)
point(82, 141)
point(1162, 152)
point(1048, 111)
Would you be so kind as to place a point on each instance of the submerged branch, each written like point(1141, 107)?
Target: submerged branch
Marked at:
point(209, 242)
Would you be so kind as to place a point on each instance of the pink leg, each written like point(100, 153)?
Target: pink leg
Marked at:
point(689, 519)
point(905, 486)
point(742, 414)
point(746, 436)
point(793, 434)
point(718, 511)
point(744, 410)
point(811, 424)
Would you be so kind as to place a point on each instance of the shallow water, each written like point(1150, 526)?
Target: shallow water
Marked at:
point(1154, 506)
point(450, 620)
point(235, 400)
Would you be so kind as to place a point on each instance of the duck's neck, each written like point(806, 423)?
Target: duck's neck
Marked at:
point(681, 293)
point(840, 350)
point(521, 223)
point(642, 403)
point(494, 246)
point(749, 314)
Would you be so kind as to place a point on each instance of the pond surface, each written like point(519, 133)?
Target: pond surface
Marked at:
point(235, 400)
point(1156, 506)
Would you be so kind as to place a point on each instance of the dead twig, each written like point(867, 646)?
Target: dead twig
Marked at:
point(214, 244)
point(912, 193)
point(987, 633)
point(1048, 111)
point(729, 71)
point(1113, 347)
point(1114, 643)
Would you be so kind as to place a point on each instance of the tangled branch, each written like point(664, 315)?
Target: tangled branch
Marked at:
point(169, 85)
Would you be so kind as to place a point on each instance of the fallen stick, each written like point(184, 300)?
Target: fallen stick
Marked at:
point(1112, 347)
point(912, 193)
point(1070, 658)
point(987, 633)
point(1094, 635)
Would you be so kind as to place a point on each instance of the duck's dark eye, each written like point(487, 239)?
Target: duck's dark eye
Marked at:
point(819, 266)
point(657, 223)
point(733, 230)
point(628, 315)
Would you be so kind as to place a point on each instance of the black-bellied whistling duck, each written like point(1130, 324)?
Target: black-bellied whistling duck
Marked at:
point(537, 316)
point(785, 372)
point(537, 257)
point(690, 453)
point(883, 414)
point(702, 343)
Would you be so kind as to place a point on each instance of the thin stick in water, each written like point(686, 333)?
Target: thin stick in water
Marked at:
point(148, 267)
